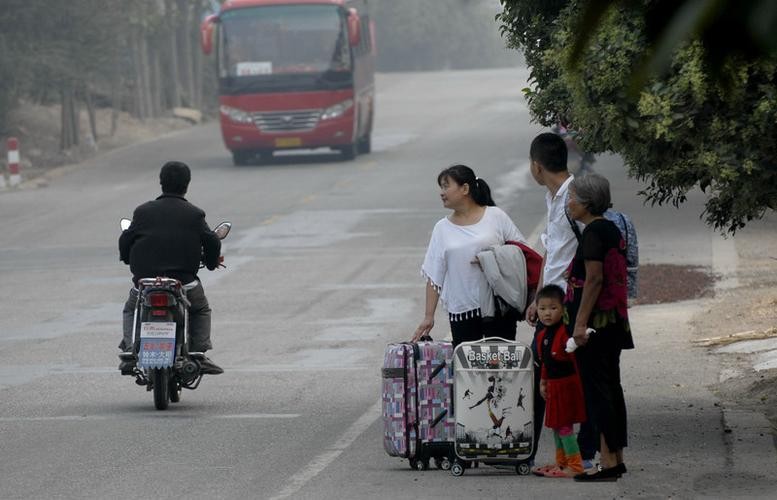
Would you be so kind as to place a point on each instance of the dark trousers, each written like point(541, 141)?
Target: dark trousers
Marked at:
point(199, 320)
point(588, 435)
point(502, 325)
point(599, 363)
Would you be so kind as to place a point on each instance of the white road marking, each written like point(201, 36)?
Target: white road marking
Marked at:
point(534, 238)
point(258, 415)
point(62, 418)
point(84, 418)
point(508, 184)
point(322, 461)
point(294, 368)
point(725, 261)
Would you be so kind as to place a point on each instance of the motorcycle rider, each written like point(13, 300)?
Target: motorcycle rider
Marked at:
point(168, 237)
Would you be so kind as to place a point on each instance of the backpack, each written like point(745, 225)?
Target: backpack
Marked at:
point(629, 233)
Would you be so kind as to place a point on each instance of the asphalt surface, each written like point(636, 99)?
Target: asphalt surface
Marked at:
point(323, 271)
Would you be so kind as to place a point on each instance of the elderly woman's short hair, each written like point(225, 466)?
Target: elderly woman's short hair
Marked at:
point(593, 192)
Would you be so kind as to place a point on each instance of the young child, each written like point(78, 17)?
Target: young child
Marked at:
point(560, 384)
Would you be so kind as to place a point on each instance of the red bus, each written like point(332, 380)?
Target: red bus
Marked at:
point(293, 74)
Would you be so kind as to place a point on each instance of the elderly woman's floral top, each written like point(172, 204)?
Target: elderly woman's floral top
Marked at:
point(602, 241)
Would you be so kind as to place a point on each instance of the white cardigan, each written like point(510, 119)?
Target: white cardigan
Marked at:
point(505, 269)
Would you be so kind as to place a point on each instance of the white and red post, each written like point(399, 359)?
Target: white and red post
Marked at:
point(14, 176)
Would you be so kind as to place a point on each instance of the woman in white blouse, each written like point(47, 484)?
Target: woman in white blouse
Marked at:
point(450, 267)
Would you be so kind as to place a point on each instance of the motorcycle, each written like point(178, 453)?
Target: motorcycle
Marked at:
point(160, 336)
point(579, 162)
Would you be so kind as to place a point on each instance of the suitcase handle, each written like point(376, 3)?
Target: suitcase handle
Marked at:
point(491, 339)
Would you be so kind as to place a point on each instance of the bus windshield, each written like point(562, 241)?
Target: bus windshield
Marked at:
point(283, 40)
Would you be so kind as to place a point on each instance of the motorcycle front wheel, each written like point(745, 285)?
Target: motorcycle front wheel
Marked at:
point(160, 379)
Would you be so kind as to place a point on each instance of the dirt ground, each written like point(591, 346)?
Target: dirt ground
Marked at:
point(750, 306)
point(38, 130)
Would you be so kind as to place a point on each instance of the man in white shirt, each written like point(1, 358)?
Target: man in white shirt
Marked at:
point(548, 155)
point(549, 168)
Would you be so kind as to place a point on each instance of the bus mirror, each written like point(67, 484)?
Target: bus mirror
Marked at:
point(354, 27)
point(206, 33)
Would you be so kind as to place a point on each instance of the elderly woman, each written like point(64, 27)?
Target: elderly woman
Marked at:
point(597, 299)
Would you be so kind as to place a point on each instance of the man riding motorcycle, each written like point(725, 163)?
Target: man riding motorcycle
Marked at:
point(168, 237)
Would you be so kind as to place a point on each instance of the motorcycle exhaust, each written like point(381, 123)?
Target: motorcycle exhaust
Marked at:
point(189, 370)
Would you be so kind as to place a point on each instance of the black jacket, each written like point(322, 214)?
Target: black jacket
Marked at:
point(166, 238)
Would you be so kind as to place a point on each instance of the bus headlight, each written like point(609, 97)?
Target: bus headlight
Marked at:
point(236, 115)
point(337, 110)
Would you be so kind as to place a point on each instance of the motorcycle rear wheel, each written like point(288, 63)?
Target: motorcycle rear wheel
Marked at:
point(160, 378)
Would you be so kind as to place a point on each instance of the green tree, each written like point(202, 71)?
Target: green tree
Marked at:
point(705, 120)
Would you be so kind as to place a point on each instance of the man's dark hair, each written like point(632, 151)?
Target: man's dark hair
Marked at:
point(551, 292)
point(550, 151)
point(174, 177)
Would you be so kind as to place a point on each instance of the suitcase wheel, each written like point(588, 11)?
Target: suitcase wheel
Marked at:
point(457, 469)
point(522, 468)
point(417, 464)
point(443, 463)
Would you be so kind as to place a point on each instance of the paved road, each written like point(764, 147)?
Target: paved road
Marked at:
point(323, 272)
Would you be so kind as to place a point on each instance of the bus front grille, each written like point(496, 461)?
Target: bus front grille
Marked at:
point(284, 121)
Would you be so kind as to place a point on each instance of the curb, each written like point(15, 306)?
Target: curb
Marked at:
point(748, 435)
point(750, 438)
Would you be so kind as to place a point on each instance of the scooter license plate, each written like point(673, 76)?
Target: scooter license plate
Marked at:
point(157, 345)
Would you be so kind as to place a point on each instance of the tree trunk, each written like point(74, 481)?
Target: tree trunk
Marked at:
point(91, 112)
point(145, 77)
point(64, 124)
point(187, 70)
point(137, 106)
point(69, 119)
point(175, 93)
point(115, 95)
point(75, 117)
point(157, 83)
point(194, 36)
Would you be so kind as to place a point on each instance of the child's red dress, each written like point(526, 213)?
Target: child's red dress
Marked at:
point(564, 403)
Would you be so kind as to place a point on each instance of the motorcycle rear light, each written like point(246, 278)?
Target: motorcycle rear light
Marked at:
point(159, 299)
point(158, 312)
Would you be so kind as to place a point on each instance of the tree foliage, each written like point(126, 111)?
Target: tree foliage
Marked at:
point(140, 56)
point(706, 122)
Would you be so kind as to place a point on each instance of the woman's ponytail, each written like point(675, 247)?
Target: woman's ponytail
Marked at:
point(478, 188)
point(482, 193)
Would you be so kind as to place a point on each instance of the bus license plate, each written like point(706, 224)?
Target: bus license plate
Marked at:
point(288, 142)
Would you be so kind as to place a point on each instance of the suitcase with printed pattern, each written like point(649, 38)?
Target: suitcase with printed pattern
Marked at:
point(417, 412)
point(494, 395)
